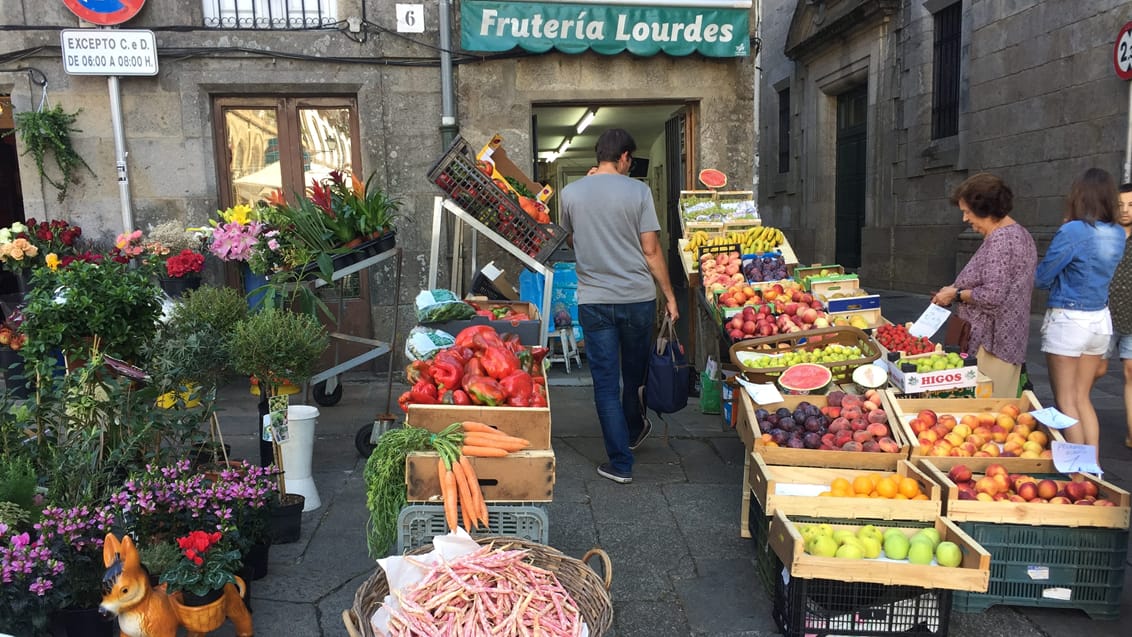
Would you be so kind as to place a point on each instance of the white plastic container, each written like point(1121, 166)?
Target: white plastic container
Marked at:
point(297, 452)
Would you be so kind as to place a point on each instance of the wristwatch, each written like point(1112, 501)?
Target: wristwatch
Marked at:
point(960, 296)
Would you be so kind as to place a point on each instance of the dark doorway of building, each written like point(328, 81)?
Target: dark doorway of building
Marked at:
point(11, 197)
point(849, 198)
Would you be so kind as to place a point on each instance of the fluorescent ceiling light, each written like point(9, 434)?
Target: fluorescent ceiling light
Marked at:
point(565, 145)
point(587, 119)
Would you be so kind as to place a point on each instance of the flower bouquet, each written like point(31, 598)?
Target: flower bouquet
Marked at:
point(235, 236)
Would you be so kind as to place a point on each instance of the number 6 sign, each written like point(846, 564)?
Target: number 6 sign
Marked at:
point(1122, 53)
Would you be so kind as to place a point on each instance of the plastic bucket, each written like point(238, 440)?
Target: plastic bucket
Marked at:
point(297, 452)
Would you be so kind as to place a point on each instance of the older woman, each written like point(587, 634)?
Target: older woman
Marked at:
point(994, 289)
point(1077, 270)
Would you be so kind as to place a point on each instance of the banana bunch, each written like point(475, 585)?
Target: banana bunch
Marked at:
point(699, 240)
point(759, 239)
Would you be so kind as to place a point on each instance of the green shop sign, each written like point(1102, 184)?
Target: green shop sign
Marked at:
point(713, 28)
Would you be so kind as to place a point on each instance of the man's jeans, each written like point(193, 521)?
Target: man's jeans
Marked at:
point(617, 343)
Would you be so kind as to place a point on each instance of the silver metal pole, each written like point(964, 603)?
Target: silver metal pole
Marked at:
point(1128, 141)
point(448, 125)
point(120, 153)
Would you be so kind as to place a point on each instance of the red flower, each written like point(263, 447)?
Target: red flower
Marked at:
point(185, 263)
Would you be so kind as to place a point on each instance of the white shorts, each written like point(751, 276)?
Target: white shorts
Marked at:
point(1076, 333)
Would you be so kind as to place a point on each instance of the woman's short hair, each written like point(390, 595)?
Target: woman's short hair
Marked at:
point(613, 143)
point(1093, 197)
point(986, 195)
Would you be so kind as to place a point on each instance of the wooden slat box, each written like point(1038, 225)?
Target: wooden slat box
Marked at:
point(523, 476)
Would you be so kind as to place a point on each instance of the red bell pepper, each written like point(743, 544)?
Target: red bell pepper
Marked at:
point(467, 336)
point(499, 362)
point(417, 371)
point(424, 393)
point(447, 398)
point(538, 396)
point(519, 400)
point(511, 340)
point(447, 371)
point(404, 400)
point(517, 383)
point(486, 313)
point(460, 397)
point(485, 391)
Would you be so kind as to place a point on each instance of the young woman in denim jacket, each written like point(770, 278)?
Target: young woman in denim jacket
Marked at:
point(1076, 270)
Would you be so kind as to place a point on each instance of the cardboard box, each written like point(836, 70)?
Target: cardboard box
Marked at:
point(530, 331)
point(523, 476)
point(498, 282)
point(493, 151)
point(972, 574)
point(942, 380)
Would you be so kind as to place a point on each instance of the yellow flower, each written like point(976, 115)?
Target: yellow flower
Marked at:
point(53, 261)
point(240, 213)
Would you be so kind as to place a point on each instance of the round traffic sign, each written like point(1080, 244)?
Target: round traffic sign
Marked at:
point(1122, 52)
point(105, 12)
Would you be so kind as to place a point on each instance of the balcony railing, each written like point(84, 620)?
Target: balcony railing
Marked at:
point(270, 14)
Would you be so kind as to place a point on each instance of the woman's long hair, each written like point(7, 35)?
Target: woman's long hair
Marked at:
point(1093, 197)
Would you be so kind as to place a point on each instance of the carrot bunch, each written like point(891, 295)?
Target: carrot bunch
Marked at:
point(459, 486)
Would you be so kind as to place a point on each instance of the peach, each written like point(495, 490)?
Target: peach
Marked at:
point(984, 497)
point(869, 406)
point(878, 430)
point(971, 420)
point(1084, 502)
point(928, 416)
point(1047, 489)
point(954, 439)
point(1026, 419)
point(986, 484)
point(1022, 430)
point(1028, 490)
point(1091, 489)
point(1029, 454)
point(947, 420)
point(862, 436)
point(918, 425)
point(998, 434)
point(1104, 503)
point(959, 473)
point(1060, 499)
point(852, 445)
point(1002, 483)
point(986, 418)
point(1012, 446)
point(888, 445)
point(1075, 491)
point(982, 454)
point(1014, 497)
point(1004, 421)
point(928, 437)
point(990, 449)
point(941, 450)
point(1010, 410)
point(968, 449)
point(941, 430)
point(1039, 437)
point(1030, 445)
point(878, 416)
point(962, 430)
point(980, 430)
point(1046, 454)
point(996, 469)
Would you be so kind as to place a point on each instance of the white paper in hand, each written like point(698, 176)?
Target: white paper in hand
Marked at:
point(1071, 458)
point(930, 321)
point(1052, 418)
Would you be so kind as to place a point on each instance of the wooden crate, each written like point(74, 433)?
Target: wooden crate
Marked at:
point(524, 476)
point(793, 490)
point(531, 423)
point(1033, 513)
point(871, 317)
point(902, 409)
point(876, 461)
point(972, 574)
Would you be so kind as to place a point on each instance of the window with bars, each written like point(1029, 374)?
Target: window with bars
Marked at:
point(945, 71)
point(270, 14)
point(784, 130)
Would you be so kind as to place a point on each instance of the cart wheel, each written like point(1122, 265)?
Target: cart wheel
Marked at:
point(362, 440)
point(325, 399)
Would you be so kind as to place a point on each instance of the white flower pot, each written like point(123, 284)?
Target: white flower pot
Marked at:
point(297, 451)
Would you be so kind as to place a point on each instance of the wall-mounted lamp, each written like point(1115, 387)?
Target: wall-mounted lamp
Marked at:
point(565, 145)
point(587, 119)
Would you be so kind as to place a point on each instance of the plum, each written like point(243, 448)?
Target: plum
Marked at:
point(812, 440)
point(796, 443)
point(812, 424)
point(761, 414)
point(783, 412)
point(833, 398)
point(772, 419)
point(778, 436)
point(765, 426)
point(799, 415)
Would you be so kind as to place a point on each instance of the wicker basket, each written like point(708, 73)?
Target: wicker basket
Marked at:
point(206, 618)
point(807, 340)
point(589, 590)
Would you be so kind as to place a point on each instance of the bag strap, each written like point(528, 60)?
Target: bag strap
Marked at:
point(666, 335)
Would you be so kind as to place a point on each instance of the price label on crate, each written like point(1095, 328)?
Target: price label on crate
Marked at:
point(722, 248)
point(1072, 458)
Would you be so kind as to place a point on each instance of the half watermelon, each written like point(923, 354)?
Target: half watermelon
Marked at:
point(713, 178)
point(805, 378)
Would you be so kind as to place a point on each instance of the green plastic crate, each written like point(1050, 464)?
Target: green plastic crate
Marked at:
point(417, 524)
point(1050, 567)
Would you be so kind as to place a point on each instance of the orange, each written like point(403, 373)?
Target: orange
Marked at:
point(899, 496)
point(887, 487)
point(875, 478)
point(920, 497)
point(841, 487)
point(826, 494)
point(909, 488)
point(862, 485)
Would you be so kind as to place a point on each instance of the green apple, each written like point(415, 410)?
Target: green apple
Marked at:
point(948, 554)
point(894, 531)
point(850, 552)
point(808, 532)
point(822, 546)
point(872, 547)
point(896, 546)
point(870, 531)
point(825, 529)
point(932, 533)
point(841, 534)
point(920, 553)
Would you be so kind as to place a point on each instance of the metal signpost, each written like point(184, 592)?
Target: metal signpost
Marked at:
point(110, 52)
point(1122, 60)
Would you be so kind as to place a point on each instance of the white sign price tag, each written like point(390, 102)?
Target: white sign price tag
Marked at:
point(1052, 418)
point(930, 321)
point(1073, 458)
point(762, 394)
point(410, 18)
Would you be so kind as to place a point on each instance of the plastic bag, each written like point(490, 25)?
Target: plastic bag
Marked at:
point(424, 342)
point(711, 389)
point(439, 306)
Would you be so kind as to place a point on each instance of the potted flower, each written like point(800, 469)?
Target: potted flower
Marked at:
point(207, 565)
point(372, 209)
point(75, 535)
point(29, 571)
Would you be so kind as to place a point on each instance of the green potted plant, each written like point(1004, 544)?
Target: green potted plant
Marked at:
point(207, 564)
point(49, 130)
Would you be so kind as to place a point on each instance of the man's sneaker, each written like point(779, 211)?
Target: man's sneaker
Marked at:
point(645, 431)
point(607, 471)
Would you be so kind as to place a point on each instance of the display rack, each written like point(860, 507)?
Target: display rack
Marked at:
point(326, 387)
point(440, 205)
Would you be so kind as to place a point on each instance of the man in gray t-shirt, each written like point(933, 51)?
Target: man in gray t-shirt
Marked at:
point(613, 229)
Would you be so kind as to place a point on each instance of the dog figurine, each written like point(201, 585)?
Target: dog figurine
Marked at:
point(146, 611)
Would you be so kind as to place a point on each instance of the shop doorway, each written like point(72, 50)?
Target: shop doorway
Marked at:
point(564, 135)
point(11, 197)
point(849, 198)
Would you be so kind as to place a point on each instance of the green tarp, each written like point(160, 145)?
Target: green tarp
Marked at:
point(609, 29)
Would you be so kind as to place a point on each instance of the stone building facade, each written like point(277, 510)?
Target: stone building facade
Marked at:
point(1032, 95)
point(350, 50)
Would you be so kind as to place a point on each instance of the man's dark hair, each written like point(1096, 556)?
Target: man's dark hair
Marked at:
point(612, 143)
point(1126, 187)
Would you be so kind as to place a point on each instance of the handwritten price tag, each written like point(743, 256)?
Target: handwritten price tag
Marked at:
point(1071, 458)
point(930, 321)
point(1052, 418)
